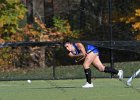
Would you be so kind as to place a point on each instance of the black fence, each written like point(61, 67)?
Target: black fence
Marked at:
point(49, 60)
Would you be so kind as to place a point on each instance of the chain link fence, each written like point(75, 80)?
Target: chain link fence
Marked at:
point(97, 19)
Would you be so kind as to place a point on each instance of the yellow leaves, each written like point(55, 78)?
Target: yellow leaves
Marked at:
point(20, 16)
point(132, 19)
point(61, 30)
point(34, 33)
point(41, 25)
point(137, 12)
point(2, 20)
point(30, 31)
point(20, 13)
point(11, 13)
point(13, 1)
point(137, 37)
point(127, 19)
point(2, 62)
point(136, 26)
point(16, 37)
point(44, 38)
point(122, 19)
point(2, 40)
point(63, 26)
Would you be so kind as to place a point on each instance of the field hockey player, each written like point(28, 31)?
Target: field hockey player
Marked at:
point(91, 56)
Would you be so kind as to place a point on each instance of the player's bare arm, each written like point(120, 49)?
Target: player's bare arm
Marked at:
point(75, 56)
point(82, 48)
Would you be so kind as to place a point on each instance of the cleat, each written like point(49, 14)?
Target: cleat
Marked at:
point(87, 85)
point(120, 74)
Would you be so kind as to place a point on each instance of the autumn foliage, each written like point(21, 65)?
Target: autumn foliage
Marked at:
point(14, 28)
point(12, 15)
point(133, 20)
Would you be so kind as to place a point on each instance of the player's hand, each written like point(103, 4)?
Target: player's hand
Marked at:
point(84, 54)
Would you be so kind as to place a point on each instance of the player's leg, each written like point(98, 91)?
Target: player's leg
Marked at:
point(132, 77)
point(88, 60)
point(98, 65)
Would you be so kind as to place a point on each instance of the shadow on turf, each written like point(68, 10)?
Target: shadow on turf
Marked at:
point(129, 87)
point(65, 87)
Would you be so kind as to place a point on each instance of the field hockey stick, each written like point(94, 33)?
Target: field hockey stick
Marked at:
point(81, 58)
point(133, 76)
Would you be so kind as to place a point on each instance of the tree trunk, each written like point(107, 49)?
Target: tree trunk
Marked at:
point(42, 57)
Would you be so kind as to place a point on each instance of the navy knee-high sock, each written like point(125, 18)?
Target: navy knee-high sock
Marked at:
point(88, 75)
point(110, 70)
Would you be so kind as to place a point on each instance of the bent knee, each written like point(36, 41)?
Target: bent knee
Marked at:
point(101, 68)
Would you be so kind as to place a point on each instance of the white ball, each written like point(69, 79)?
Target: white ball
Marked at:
point(29, 81)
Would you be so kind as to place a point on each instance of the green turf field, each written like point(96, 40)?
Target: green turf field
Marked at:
point(104, 89)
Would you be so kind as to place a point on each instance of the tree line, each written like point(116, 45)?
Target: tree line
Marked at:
point(52, 20)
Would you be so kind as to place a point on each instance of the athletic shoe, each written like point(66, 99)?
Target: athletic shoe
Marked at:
point(87, 85)
point(120, 74)
point(128, 84)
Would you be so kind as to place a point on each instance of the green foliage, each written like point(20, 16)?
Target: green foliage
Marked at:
point(5, 58)
point(64, 27)
point(60, 24)
point(11, 13)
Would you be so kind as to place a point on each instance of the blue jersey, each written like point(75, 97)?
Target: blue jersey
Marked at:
point(89, 48)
